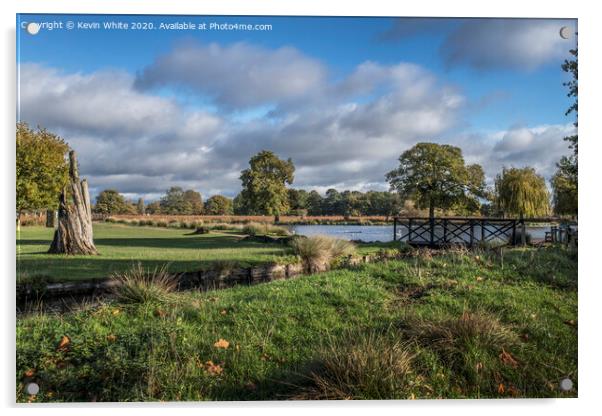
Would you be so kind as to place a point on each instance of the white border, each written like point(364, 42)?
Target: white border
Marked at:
point(590, 201)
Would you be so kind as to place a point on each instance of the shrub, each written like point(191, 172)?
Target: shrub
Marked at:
point(362, 366)
point(139, 285)
point(161, 223)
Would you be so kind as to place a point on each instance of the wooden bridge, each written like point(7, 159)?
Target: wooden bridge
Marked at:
point(440, 232)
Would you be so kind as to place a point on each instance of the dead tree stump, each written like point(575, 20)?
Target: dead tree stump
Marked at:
point(74, 232)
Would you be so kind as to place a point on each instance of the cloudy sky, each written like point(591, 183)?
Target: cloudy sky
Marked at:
point(342, 97)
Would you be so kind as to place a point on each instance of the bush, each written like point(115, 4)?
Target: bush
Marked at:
point(362, 366)
point(139, 285)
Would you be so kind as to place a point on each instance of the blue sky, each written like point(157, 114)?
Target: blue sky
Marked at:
point(148, 109)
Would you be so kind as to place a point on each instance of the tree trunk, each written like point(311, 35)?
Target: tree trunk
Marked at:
point(276, 218)
point(74, 232)
point(50, 218)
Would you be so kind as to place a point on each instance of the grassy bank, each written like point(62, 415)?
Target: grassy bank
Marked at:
point(487, 324)
point(120, 246)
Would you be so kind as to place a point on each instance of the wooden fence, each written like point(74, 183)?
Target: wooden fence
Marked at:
point(438, 232)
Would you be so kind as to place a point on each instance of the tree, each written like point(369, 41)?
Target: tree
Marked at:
point(314, 203)
point(565, 180)
point(110, 202)
point(74, 234)
point(521, 192)
point(195, 200)
point(564, 197)
point(154, 207)
point(42, 170)
point(176, 201)
point(240, 205)
point(140, 207)
point(218, 205)
point(264, 183)
point(435, 176)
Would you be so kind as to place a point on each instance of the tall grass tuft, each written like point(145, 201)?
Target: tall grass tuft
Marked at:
point(368, 365)
point(139, 285)
point(318, 252)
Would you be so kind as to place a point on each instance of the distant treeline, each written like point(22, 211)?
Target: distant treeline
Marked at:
point(177, 201)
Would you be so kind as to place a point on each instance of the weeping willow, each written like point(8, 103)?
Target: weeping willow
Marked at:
point(521, 192)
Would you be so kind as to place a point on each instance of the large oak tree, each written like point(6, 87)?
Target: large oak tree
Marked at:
point(435, 176)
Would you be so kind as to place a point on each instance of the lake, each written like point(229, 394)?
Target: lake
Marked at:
point(381, 233)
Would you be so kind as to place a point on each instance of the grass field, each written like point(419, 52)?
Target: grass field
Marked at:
point(120, 246)
point(481, 324)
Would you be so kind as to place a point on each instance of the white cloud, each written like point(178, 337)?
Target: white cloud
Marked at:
point(237, 75)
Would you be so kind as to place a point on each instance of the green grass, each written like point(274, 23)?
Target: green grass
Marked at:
point(121, 246)
point(458, 325)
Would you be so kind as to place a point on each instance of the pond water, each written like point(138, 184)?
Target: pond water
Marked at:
point(382, 233)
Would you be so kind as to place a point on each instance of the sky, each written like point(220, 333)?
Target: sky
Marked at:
point(187, 100)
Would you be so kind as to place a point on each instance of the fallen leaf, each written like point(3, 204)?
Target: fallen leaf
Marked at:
point(221, 343)
point(250, 386)
point(223, 312)
point(64, 343)
point(479, 366)
point(116, 311)
point(29, 373)
point(570, 322)
point(213, 369)
point(501, 389)
point(111, 338)
point(525, 337)
point(479, 279)
point(508, 359)
point(159, 313)
point(412, 396)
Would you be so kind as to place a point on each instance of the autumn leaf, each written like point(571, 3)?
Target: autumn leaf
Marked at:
point(479, 366)
point(111, 338)
point(64, 343)
point(221, 343)
point(30, 372)
point(508, 359)
point(501, 388)
point(479, 279)
point(570, 322)
point(213, 369)
point(223, 312)
point(116, 311)
point(159, 313)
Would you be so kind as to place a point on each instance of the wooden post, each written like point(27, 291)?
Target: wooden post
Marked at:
point(395, 229)
point(523, 234)
point(514, 232)
point(445, 231)
point(410, 221)
point(482, 230)
point(432, 234)
point(471, 232)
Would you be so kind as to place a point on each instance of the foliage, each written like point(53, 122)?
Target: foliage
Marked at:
point(140, 207)
point(41, 169)
point(177, 201)
point(218, 205)
point(110, 201)
point(565, 180)
point(264, 183)
point(435, 176)
point(521, 192)
point(564, 197)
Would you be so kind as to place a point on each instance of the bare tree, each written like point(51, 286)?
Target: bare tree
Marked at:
point(74, 232)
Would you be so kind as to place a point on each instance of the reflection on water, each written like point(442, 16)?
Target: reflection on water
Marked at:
point(383, 233)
